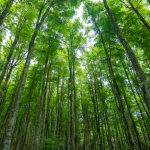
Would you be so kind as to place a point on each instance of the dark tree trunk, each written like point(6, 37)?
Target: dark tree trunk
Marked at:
point(14, 109)
point(139, 16)
point(5, 11)
point(117, 93)
point(139, 72)
point(8, 59)
point(70, 96)
point(12, 48)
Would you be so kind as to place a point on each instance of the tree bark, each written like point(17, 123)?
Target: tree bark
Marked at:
point(139, 72)
point(117, 93)
point(14, 110)
point(139, 16)
point(5, 11)
point(70, 97)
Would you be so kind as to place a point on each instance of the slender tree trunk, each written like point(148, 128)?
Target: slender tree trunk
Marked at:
point(132, 122)
point(61, 132)
point(8, 59)
point(139, 72)
point(5, 11)
point(47, 119)
point(36, 118)
point(143, 122)
point(86, 143)
point(109, 136)
point(12, 48)
point(70, 96)
point(118, 95)
point(95, 92)
point(139, 16)
point(5, 85)
point(96, 117)
point(57, 107)
point(26, 120)
point(14, 110)
point(76, 137)
point(42, 116)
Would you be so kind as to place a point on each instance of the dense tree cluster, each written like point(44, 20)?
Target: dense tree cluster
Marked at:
point(74, 83)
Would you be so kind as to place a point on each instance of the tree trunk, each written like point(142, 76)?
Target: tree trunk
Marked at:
point(96, 117)
point(139, 16)
point(14, 110)
point(86, 142)
point(70, 96)
point(117, 93)
point(5, 11)
point(12, 48)
point(26, 119)
point(47, 120)
point(8, 59)
point(139, 72)
point(5, 85)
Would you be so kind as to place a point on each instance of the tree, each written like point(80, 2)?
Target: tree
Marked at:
point(5, 11)
point(74, 75)
point(140, 73)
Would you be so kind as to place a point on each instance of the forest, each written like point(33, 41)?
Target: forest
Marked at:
point(74, 74)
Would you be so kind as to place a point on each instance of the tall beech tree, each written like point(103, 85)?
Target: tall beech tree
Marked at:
point(140, 73)
point(74, 75)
